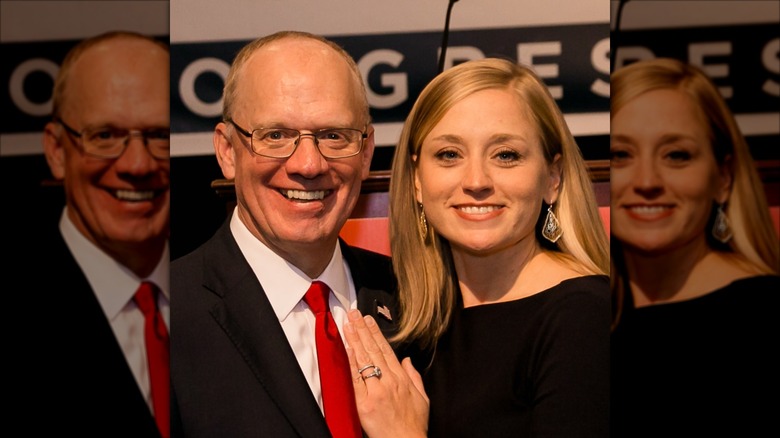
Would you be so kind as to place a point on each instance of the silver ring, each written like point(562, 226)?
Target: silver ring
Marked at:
point(375, 373)
point(360, 371)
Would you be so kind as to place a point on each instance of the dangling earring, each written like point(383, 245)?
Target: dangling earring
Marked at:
point(551, 229)
point(423, 223)
point(721, 230)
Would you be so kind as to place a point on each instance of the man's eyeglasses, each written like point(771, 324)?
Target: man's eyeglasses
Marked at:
point(110, 142)
point(282, 142)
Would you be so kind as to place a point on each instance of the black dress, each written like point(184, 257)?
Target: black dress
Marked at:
point(533, 367)
point(703, 367)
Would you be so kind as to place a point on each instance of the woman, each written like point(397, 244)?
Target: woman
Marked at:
point(695, 261)
point(502, 265)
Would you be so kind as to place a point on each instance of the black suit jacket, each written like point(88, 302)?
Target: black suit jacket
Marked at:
point(69, 375)
point(233, 371)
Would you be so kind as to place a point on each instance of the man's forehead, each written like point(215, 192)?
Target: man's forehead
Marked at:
point(117, 74)
point(123, 45)
point(293, 54)
point(298, 44)
point(286, 62)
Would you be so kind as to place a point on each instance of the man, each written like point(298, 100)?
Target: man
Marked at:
point(83, 355)
point(297, 140)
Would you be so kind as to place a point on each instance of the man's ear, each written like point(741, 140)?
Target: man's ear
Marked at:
point(54, 150)
point(368, 152)
point(554, 180)
point(223, 149)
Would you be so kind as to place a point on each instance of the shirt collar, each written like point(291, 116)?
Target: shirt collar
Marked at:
point(283, 283)
point(113, 284)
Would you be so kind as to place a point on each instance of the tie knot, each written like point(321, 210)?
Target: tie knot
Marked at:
point(317, 297)
point(146, 297)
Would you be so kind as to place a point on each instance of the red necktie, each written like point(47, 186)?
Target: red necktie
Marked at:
point(157, 355)
point(338, 397)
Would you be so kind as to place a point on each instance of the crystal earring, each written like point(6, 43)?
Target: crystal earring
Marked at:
point(423, 223)
point(551, 229)
point(721, 230)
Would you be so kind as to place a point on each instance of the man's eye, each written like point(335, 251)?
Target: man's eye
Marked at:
point(158, 135)
point(332, 136)
point(104, 134)
point(277, 135)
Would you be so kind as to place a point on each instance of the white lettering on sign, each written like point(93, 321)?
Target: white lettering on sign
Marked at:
point(397, 82)
point(16, 85)
point(526, 52)
point(187, 86)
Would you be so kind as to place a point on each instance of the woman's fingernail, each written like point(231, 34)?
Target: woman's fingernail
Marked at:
point(353, 314)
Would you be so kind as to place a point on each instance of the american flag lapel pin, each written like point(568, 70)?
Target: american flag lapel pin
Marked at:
point(384, 311)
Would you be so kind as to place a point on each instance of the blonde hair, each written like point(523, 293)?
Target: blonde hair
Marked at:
point(61, 81)
point(755, 241)
point(230, 92)
point(423, 265)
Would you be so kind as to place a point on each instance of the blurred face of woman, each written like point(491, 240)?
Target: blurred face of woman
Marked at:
point(664, 176)
point(482, 175)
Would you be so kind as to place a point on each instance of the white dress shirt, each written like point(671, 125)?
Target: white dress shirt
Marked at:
point(114, 285)
point(285, 285)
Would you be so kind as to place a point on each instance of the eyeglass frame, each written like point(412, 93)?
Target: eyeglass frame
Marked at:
point(130, 132)
point(297, 142)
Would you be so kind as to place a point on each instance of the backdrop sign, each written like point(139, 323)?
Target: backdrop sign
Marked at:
point(736, 43)
point(35, 36)
point(28, 72)
point(743, 60)
point(572, 59)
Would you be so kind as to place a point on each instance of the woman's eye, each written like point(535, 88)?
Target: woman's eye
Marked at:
point(507, 156)
point(618, 155)
point(679, 156)
point(447, 155)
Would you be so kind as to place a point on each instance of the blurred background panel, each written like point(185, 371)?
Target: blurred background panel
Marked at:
point(396, 45)
point(34, 38)
point(736, 42)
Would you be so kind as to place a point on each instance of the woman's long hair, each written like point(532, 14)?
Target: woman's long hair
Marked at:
point(423, 263)
point(755, 241)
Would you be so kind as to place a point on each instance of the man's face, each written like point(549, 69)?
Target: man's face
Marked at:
point(120, 204)
point(298, 204)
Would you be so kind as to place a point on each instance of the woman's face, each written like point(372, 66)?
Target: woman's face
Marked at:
point(482, 176)
point(664, 176)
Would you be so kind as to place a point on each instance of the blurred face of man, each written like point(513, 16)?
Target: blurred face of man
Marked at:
point(120, 204)
point(295, 205)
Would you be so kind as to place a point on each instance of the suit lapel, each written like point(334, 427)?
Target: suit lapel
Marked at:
point(377, 300)
point(97, 368)
point(247, 318)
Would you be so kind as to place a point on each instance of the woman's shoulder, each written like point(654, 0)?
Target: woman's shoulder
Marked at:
point(584, 287)
point(756, 285)
point(581, 292)
point(557, 269)
point(594, 282)
point(572, 275)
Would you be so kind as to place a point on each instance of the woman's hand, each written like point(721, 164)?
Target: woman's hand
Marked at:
point(391, 399)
